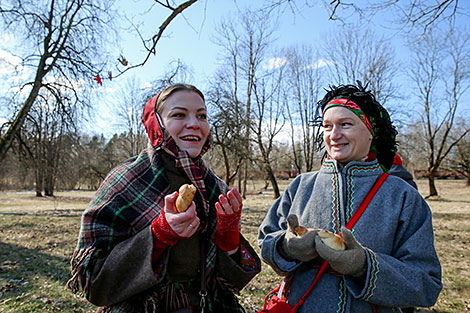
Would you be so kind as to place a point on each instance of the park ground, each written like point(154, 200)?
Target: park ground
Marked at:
point(38, 236)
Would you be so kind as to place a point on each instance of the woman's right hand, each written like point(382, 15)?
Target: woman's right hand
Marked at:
point(170, 226)
point(295, 247)
point(184, 224)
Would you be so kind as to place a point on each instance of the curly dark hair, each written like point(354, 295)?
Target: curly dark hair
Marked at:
point(384, 143)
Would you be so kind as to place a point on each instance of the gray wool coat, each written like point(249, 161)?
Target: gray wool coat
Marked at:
point(396, 231)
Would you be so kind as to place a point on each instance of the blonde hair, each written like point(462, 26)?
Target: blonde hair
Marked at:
point(172, 89)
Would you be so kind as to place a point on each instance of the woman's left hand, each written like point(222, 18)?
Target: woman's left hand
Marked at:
point(229, 210)
point(351, 261)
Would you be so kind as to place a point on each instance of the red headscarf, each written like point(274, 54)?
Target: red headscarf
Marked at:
point(149, 118)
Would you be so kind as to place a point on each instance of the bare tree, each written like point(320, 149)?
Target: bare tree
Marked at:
point(461, 159)
point(150, 43)
point(229, 117)
point(269, 119)
point(419, 13)
point(43, 137)
point(424, 13)
point(360, 54)
point(440, 62)
point(411, 146)
point(128, 110)
point(411, 14)
point(69, 166)
point(100, 159)
point(244, 42)
point(226, 126)
point(60, 39)
point(176, 72)
point(305, 74)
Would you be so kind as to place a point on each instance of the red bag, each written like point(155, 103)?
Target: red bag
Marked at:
point(276, 304)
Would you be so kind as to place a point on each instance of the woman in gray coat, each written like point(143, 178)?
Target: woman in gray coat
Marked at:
point(390, 261)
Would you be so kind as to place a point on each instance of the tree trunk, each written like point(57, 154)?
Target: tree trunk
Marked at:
point(229, 174)
point(266, 182)
point(240, 180)
point(245, 179)
point(468, 181)
point(48, 188)
point(49, 181)
point(227, 165)
point(50, 169)
point(39, 182)
point(7, 139)
point(38, 161)
point(273, 180)
point(432, 186)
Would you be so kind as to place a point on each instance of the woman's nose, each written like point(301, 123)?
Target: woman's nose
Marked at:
point(335, 133)
point(192, 122)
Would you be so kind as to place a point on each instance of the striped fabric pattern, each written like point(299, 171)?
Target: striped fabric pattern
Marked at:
point(372, 275)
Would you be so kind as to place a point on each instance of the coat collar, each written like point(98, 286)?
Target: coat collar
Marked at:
point(359, 168)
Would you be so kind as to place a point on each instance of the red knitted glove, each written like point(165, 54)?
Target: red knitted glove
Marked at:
point(227, 236)
point(163, 235)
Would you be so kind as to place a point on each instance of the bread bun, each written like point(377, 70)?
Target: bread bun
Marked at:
point(302, 230)
point(293, 225)
point(185, 197)
point(332, 240)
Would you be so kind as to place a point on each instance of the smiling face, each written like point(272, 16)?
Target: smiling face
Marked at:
point(346, 136)
point(184, 115)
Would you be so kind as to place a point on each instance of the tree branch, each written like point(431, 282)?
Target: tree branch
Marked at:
point(162, 28)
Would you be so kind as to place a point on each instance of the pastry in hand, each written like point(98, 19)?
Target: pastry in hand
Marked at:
point(332, 240)
point(185, 197)
point(293, 224)
point(302, 230)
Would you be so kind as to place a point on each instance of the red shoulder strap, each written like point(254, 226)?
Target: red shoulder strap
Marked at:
point(366, 201)
point(349, 226)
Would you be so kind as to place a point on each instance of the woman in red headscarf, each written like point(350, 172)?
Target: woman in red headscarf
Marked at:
point(135, 252)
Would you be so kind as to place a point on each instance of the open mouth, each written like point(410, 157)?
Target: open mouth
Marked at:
point(190, 138)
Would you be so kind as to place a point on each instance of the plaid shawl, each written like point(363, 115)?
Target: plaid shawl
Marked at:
point(127, 201)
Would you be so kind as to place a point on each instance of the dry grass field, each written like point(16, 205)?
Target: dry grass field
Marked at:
point(38, 236)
